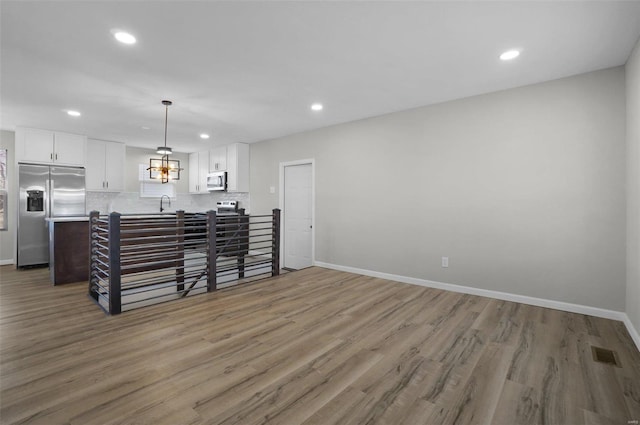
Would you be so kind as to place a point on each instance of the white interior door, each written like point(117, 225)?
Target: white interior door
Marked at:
point(298, 216)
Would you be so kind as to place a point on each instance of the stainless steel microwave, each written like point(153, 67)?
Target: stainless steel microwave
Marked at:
point(217, 181)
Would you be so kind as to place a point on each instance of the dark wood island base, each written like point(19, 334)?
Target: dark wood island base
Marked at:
point(68, 251)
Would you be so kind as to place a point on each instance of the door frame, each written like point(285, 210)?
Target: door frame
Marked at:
point(312, 162)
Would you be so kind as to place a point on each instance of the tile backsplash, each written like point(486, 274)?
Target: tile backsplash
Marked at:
point(131, 202)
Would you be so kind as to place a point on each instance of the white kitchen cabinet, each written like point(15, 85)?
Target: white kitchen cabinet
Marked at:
point(198, 170)
point(238, 167)
point(218, 159)
point(50, 147)
point(69, 148)
point(104, 166)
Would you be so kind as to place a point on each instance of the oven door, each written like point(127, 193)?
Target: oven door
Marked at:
point(217, 181)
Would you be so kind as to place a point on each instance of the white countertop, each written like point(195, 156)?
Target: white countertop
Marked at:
point(70, 218)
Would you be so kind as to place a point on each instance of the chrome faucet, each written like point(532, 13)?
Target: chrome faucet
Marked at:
point(161, 198)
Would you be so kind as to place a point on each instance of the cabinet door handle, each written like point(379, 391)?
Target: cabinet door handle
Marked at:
point(107, 185)
point(56, 157)
point(51, 156)
point(103, 184)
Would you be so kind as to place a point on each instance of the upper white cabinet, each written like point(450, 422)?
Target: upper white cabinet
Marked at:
point(69, 148)
point(105, 162)
point(198, 170)
point(238, 167)
point(50, 147)
point(218, 159)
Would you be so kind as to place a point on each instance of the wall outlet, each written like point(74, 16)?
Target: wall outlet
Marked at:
point(272, 189)
point(445, 261)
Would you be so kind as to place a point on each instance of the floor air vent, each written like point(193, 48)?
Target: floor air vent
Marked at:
point(604, 355)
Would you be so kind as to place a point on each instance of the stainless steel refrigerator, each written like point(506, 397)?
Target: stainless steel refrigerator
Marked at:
point(45, 191)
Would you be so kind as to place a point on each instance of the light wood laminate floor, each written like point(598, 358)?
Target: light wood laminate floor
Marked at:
point(310, 347)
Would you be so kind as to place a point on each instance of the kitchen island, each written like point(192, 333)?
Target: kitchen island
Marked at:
point(68, 249)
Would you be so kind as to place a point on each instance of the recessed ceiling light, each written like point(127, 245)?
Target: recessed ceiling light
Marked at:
point(73, 113)
point(204, 136)
point(509, 54)
point(317, 107)
point(124, 37)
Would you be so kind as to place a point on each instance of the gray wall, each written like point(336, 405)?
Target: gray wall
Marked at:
point(7, 237)
point(633, 187)
point(523, 190)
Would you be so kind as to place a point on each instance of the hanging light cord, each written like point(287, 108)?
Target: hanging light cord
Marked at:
point(166, 118)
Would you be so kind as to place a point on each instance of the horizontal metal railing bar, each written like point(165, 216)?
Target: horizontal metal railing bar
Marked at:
point(255, 229)
point(140, 285)
point(246, 264)
point(95, 228)
point(144, 256)
point(234, 272)
point(154, 237)
point(99, 261)
point(246, 257)
point(195, 273)
point(191, 269)
point(165, 272)
point(261, 245)
point(154, 229)
point(96, 286)
point(173, 255)
point(99, 276)
point(99, 245)
point(141, 224)
point(163, 278)
point(98, 254)
point(163, 244)
point(228, 253)
point(235, 250)
point(151, 242)
point(232, 269)
point(168, 225)
point(148, 215)
point(105, 287)
point(99, 270)
point(158, 296)
point(253, 241)
point(103, 296)
point(104, 238)
point(149, 263)
point(225, 224)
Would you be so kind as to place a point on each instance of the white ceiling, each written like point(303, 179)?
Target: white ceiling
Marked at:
point(248, 71)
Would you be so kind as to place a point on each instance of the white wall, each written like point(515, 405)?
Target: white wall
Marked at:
point(7, 237)
point(522, 189)
point(633, 187)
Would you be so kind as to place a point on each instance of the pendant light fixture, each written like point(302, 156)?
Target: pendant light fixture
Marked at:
point(164, 169)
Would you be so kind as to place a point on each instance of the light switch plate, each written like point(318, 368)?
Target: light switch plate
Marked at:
point(445, 261)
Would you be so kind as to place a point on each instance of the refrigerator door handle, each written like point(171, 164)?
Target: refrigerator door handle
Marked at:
point(47, 198)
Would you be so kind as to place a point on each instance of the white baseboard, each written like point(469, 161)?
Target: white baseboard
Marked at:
point(540, 302)
point(632, 331)
point(6, 262)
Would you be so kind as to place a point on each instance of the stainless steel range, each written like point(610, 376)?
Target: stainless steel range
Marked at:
point(227, 208)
